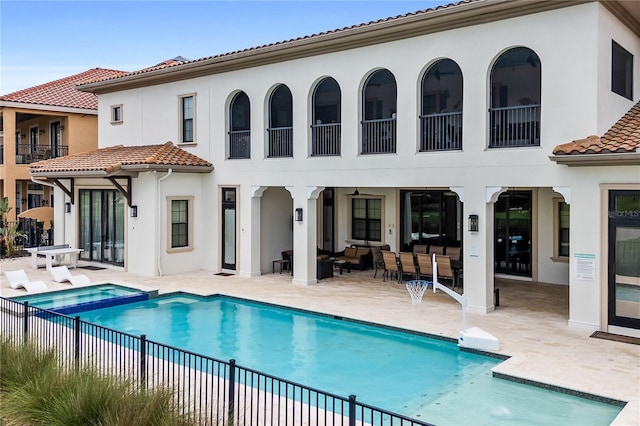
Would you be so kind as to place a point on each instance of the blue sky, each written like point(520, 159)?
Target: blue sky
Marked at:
point(41, 41)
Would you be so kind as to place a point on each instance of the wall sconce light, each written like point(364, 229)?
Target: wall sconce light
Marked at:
point(473, 223)
point(62, 127)
point(298, 214)
point(41, 131)
point(23, 200)
point(67, 207)
point(134, 211)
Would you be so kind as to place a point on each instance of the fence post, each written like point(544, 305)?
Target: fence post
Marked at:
point(143, 359)
point(232, 390)
point(76, 342)
point(352, 410)
point(25, 321)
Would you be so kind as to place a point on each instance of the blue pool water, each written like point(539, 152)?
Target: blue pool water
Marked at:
point(80, 299)
point(406, 373)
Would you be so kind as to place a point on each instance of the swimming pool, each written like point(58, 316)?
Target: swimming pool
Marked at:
point(407, 373)
point(79, 299)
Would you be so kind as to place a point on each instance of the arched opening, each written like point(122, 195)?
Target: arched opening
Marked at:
point(379, 107)
point(325, 136)
point(280, 123)
point(240, 127)
point(441, 114)
point(515, 99)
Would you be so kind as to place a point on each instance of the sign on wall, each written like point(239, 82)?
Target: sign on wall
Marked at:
point(585, 266)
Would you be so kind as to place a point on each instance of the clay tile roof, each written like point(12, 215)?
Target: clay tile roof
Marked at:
point(63, 93)
point(108, 161)
point(623, 136)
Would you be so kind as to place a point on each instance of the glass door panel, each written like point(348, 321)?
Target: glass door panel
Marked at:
point(229, 228)
point(102, 226)
point(513, 233)
point(624, 259)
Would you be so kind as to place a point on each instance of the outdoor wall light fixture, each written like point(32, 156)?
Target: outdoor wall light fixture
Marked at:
point(298, 214)
point(41, 131)
point(473, 223)
point(134, 211)
point(67, 207)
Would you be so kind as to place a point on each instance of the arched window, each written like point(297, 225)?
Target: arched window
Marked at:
point(379, 100)
point(514, 117)
point(280, 123)
point(441, 115)
point(325, 135)
point(240, 127)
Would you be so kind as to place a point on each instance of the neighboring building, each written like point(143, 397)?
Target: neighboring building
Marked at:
point(46, 121)
point(445, 127)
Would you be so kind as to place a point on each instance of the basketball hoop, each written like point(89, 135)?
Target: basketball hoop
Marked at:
point(416, 289)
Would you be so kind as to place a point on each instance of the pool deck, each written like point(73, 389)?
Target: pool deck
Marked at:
point(531, 321)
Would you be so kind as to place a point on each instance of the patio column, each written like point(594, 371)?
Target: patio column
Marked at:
point(305, 233)
point(250, 233)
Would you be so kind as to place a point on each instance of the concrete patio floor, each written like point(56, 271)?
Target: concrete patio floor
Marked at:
point(531, 321)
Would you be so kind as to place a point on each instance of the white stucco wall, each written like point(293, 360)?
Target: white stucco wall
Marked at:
point(574, 46)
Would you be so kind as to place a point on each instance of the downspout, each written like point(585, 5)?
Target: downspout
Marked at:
point(158, 228)
point(40, 182)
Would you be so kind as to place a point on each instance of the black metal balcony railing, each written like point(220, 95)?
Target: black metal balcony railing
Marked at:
point(27, 153)
point(441, 132)
point(379, 136)
point(280, 142)
point(325, 139)
point(240, 144)
point(515, 126)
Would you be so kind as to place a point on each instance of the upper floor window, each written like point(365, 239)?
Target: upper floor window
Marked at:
point(441, 118)
point(366, 219)
point(116, 114)
point(514, 117)
point(187, 119)
point(621, 71)
point(325, 130)
point(240, 127)
point(280, 123)
point(379, 107)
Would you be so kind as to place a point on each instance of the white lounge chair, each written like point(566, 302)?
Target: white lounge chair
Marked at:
point(18, 279)
point(61, 274)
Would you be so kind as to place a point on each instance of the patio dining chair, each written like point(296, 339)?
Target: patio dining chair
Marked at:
point(444, 269)
point(408, 265)
point(390, 265)
point(378, 260)
point(425, 266)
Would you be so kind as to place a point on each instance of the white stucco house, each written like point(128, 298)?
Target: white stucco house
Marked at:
point(510, 129)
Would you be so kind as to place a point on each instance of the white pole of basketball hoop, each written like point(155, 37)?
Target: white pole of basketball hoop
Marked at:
point(475, 337)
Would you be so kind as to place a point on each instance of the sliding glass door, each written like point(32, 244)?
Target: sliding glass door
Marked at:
point(513, 233)
point(102, 226)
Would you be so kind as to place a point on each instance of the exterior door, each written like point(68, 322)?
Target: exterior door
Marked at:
point(513, 233)
point(56, 139)
point(624, 259)
point(229, 228)
point(102, 226)
point(327, 219)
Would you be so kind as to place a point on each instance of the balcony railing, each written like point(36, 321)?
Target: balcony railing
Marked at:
point(27, 153)
point(515, 126)
point(240, 144)
point(441, 132)
point(325, 139)
point(280, 142)
point(379, 136)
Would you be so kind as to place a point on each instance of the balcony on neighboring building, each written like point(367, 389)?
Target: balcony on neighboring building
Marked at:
point(27, 153)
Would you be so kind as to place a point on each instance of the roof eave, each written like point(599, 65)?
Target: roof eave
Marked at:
point(50, 108)
point(167, 167)
point(403, 27)
point(588, 160)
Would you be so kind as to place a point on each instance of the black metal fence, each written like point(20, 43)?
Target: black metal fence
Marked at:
point(211, 391)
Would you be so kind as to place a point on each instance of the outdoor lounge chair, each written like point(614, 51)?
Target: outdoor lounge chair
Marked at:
point(18, 279)
point(61, 274)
